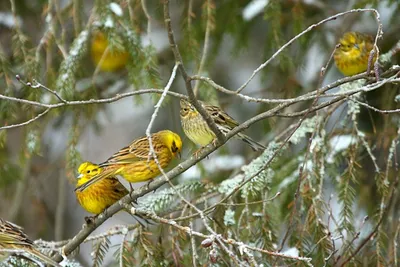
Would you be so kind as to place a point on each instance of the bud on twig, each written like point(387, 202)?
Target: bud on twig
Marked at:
point(207, 242)
point(213, 256)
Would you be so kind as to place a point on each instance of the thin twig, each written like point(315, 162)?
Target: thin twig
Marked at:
point(310, 28)
point(238, 244)
point(152, 154)
point(60, 220)
point(252, 202)
point(205, 47)
point(26, 122)
point(374, 231)
point(195, 256)
point(147, 14)
point(174, 47)
point(157, 107)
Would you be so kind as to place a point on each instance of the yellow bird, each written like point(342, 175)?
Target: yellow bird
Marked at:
point(197, 130)
point(135, 163)
point(13, 237)
point(353, 53)
point(101, 195)
point(107, 59)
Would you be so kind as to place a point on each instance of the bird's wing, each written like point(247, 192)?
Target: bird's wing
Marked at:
point(117, 186)
point(13, 234)
point(138, 150)
point(221, 117)
point(106, 172)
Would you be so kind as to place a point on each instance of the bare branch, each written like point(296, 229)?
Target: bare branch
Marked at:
point(26, 122)
point(191, 232)
point(147, 14)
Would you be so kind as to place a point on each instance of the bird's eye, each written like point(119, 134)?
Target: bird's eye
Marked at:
point(88, 171)
point(185, 109)
point(174, 148)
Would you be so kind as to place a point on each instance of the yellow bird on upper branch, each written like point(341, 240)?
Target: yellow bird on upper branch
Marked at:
point(352, 55)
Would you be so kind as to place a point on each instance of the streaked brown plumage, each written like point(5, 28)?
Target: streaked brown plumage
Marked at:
point(197, 130)
point(13, 237)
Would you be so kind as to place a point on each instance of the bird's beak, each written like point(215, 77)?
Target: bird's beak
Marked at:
point(357, 46)
point(179, 155)
point(80, 176)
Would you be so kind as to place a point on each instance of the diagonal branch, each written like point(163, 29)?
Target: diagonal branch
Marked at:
point(174, 47)
point(26, 122)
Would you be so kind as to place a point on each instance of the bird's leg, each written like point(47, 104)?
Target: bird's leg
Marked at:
point(130, 193)
point(90, 219)
point(144, 219)
point(148, 185)
point(197, 152)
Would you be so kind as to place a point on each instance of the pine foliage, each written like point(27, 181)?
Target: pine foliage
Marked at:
point(324, 192)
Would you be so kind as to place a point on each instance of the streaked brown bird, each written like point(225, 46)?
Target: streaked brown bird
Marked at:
point(13, 237)
point(197, 130)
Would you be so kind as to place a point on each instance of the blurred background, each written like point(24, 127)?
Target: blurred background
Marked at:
point(61, 45)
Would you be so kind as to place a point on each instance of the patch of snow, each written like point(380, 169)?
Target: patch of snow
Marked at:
point(294, 252)
point(339, 143)
point(7, 19)
point(254, 8)
point(218, 163)
point(109, 22)
point(116, 9)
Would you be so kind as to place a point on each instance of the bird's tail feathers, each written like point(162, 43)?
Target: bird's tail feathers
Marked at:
point(253, 144)
point(44, 258)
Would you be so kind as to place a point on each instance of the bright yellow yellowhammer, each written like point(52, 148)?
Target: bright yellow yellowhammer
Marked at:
point(102, 55)
point(197, 130)
point(135, 163)
point(12, 237)
point(352, 56)
point(100, 195)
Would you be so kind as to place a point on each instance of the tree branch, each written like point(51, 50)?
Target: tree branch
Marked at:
point(174, 47)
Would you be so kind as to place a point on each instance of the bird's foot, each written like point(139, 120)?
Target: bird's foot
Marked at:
point(89, 219)
point(197, 152)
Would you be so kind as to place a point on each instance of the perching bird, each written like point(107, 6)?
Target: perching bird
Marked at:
point(12, 237)
point(352, 55)
point(100, 195)
point(135, 163)
point(197, 130)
